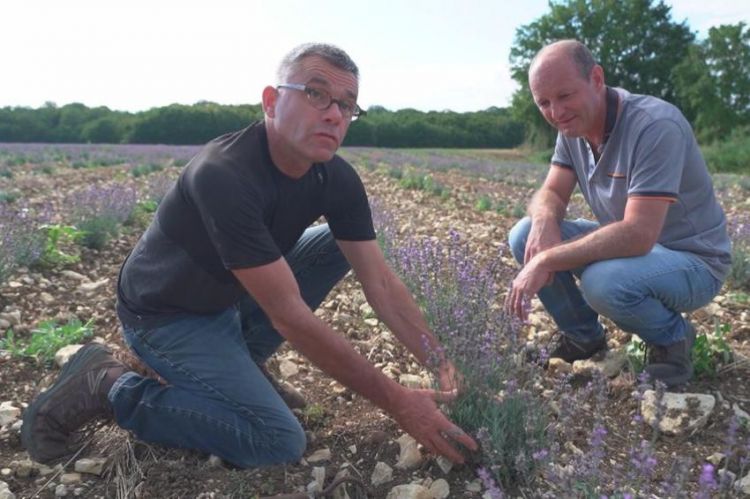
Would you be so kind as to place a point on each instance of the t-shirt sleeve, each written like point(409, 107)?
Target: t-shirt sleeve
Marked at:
point(348, 210)
point(658, 161)
point(232, 215)
point(561, 156)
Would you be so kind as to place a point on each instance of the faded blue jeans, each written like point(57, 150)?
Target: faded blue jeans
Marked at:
point(644, 295)
point(217, 400)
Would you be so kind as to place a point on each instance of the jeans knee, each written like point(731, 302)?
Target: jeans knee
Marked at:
point(290, 444)
point(517, 238)
point(278, 446)
point(602, 291)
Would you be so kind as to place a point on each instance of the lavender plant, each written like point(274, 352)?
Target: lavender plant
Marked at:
point(21, 243)
point(459, 298)
point(739, 231)
point(98, 211)
point(156, 189)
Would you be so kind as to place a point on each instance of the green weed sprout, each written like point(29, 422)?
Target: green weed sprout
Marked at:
point(47, 338)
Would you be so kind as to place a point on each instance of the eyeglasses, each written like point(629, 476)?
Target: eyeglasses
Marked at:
point(321, 100)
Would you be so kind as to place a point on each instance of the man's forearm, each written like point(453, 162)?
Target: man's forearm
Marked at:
point(616, 240)
point(545, 205)
point(330, 352)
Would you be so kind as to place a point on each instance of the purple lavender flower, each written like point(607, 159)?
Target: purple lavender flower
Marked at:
point(98, 212)
point(21, 241)
point(493, 489)
point(707, 482)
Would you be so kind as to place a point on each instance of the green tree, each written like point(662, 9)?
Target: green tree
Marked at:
point(104, 130)
point(713, 82)
point(635, 41)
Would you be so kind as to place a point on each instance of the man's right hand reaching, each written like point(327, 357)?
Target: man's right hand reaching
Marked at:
point(417, 413)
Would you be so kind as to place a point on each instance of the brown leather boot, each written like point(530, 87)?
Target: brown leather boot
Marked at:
point(672, 364)
point(78, 396)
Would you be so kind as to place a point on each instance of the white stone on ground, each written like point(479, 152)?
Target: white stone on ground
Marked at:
point(409, 456)
point(63, 355)
point(382, 473)
point(683, 411)
point(410, 491)
point(319, 456)
point(93, 465)
point(8, 413)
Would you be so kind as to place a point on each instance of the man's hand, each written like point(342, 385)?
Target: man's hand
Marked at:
point(527, 283)
point(449, 379)
point(417, 414)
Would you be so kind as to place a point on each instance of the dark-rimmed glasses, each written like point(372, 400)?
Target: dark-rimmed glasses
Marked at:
point(321, 100)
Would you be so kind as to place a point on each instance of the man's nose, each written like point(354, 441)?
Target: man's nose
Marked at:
point(555, 110)
point(333, 113)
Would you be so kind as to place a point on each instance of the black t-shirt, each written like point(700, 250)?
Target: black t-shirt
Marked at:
point(232, 208)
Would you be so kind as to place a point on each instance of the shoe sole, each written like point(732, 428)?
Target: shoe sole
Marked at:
point(30, 414)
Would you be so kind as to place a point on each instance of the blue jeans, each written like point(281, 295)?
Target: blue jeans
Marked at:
point(217, 400)
point(644, 295)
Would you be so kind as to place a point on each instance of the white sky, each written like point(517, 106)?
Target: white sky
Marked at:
point(137, 54)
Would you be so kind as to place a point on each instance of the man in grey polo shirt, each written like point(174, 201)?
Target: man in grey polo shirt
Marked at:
point(659, 246)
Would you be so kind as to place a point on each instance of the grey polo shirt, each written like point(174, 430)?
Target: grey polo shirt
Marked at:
point(652, 153)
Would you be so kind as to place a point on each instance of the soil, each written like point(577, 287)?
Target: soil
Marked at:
point(357, 434)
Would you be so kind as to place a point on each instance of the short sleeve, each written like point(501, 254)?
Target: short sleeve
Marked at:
point(659, 159)
point(348, 210)
point(561, 156)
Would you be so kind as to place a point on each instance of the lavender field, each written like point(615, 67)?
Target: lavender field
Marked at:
point(69, 214)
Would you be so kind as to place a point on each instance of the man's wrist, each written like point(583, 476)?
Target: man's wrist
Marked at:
point(542, 260)
point(393, 395)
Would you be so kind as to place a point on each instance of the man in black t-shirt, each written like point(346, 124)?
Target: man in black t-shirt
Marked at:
point(228, 269)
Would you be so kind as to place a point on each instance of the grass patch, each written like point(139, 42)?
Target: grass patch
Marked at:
point(46, 339)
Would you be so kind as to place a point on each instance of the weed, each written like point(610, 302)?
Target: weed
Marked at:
point(47, 338)
point(711, 351)
point(56, 236)
point(9, 196)
point(484, 203)
point(314, 415)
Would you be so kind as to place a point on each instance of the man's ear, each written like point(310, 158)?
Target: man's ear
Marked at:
point(270, 94)
point(597, 76)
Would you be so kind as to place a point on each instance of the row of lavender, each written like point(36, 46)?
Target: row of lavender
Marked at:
point(524, 436)
point(498, 166)
point(82, 155)
point(37, 234)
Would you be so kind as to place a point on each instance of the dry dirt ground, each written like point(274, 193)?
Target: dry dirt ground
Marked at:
point(357, 434)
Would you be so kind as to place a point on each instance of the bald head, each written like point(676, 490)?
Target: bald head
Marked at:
point(568, 51)
point(568, 88)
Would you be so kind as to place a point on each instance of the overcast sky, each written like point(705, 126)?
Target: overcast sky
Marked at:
point(134, 55)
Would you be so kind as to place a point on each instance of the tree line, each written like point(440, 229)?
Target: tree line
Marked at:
point(637, 42)
point(199, 123)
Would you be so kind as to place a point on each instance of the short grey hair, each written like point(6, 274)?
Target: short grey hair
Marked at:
point(579, 54)
point(329, 53)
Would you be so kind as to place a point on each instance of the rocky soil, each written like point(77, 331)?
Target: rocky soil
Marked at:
point(347, 436)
